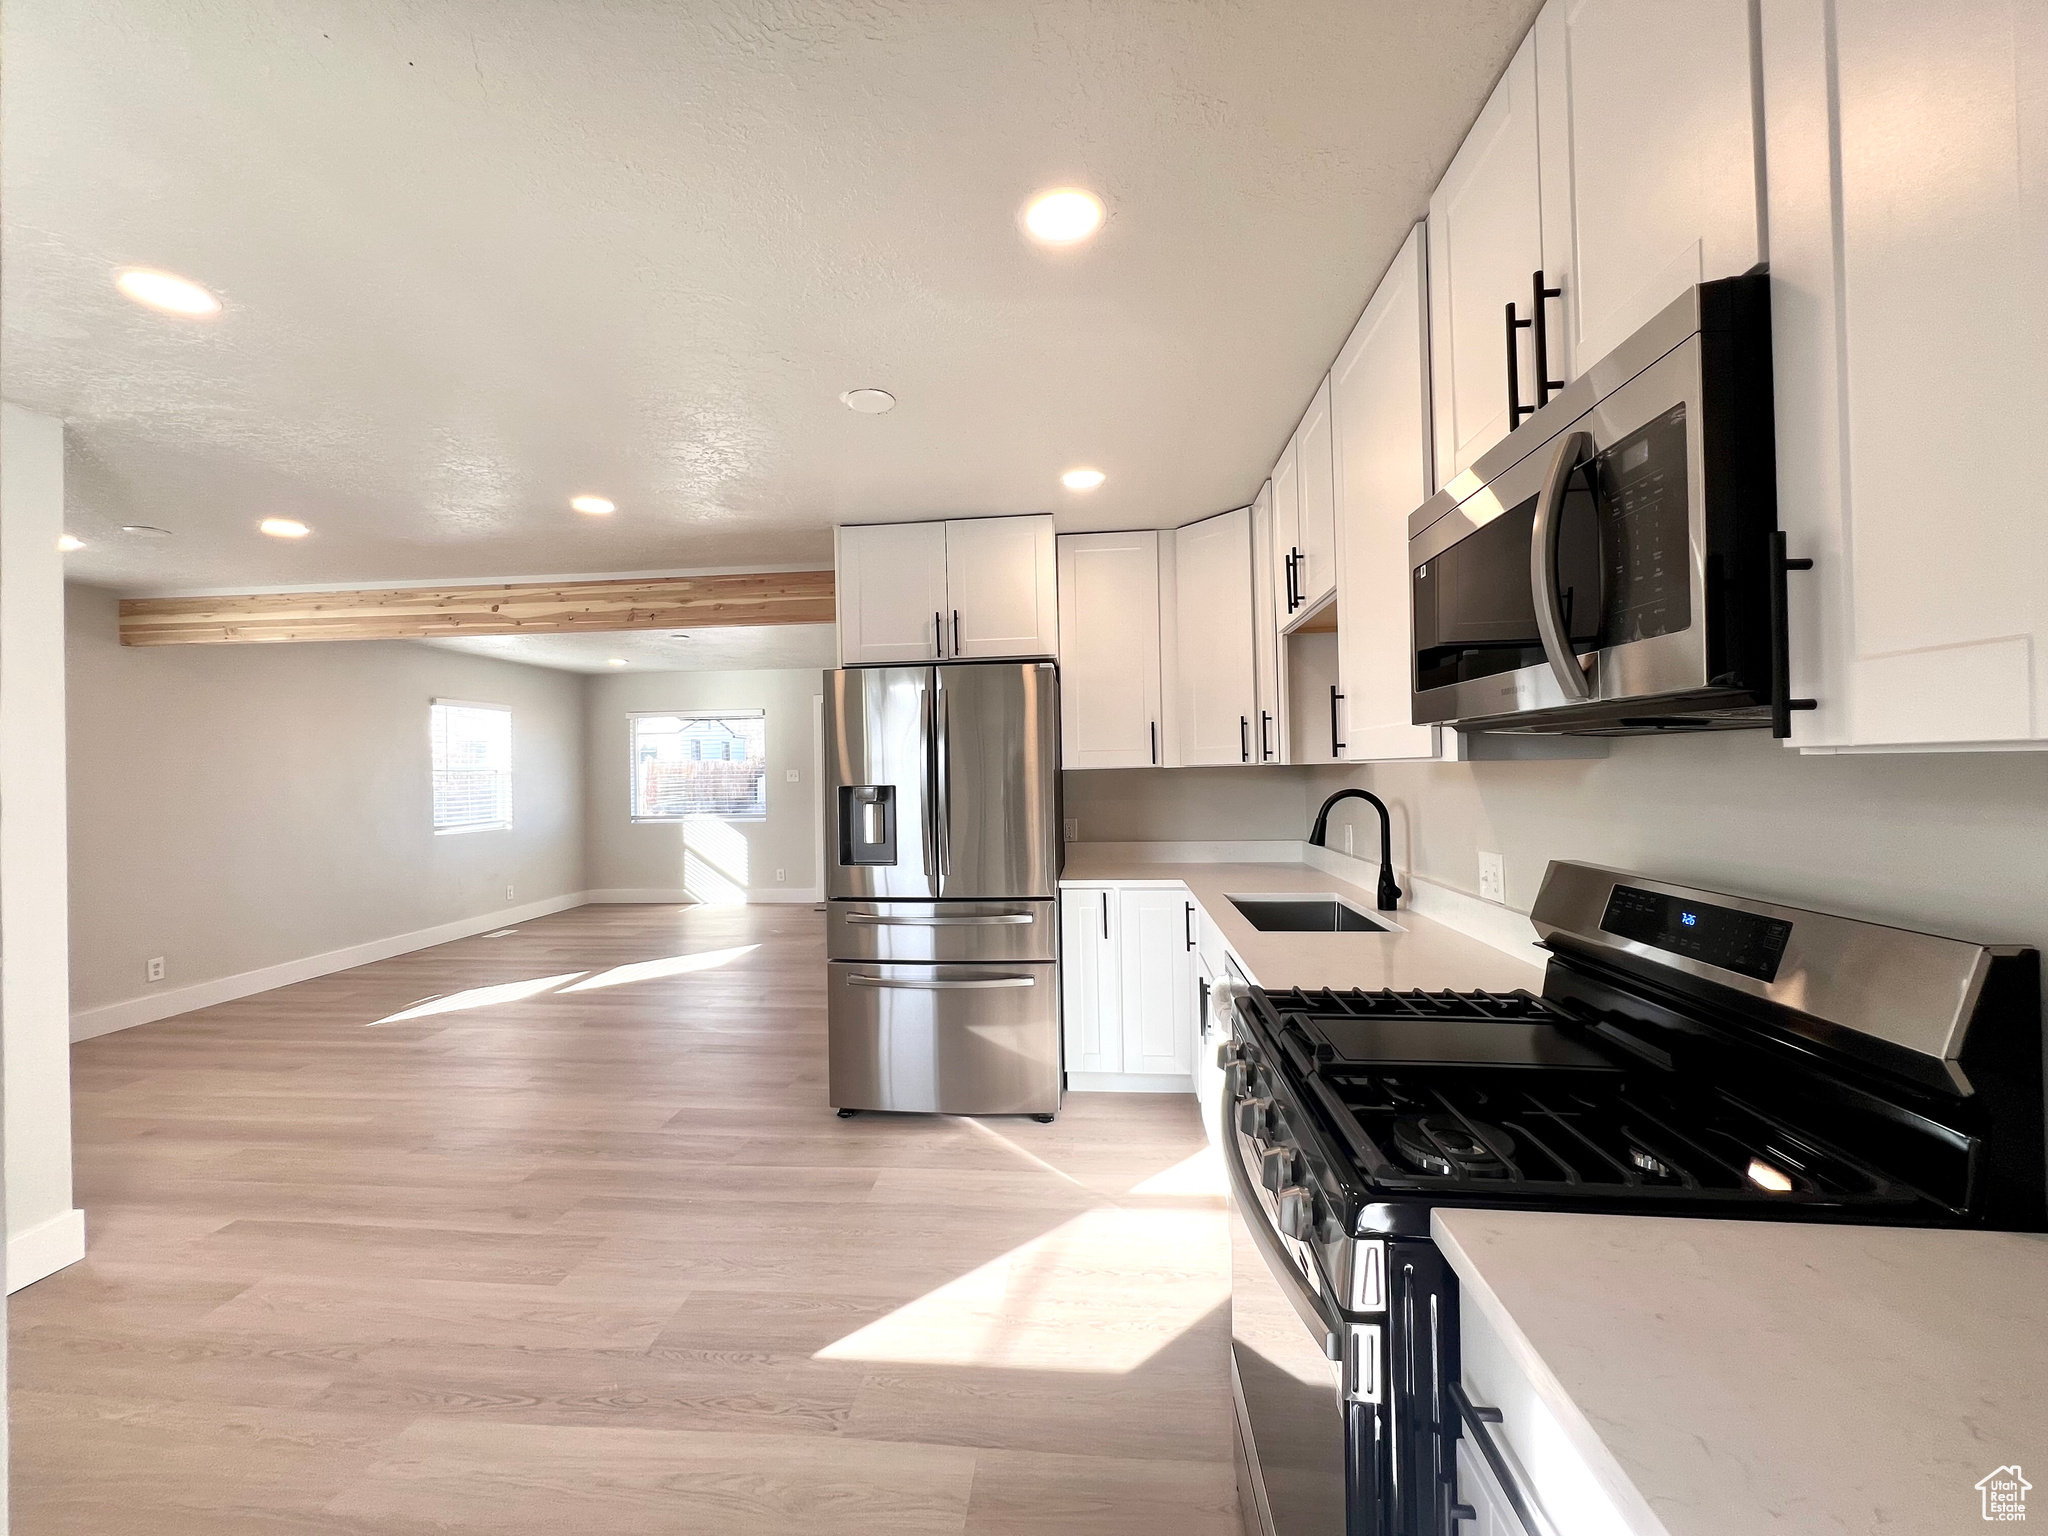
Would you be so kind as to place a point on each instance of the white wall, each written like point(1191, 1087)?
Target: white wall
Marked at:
point(715, 860)
point(1953, 842)
point(44, 1231)
point(260, 813)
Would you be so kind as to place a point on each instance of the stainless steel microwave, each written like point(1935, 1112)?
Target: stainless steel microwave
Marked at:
point(1610, 567)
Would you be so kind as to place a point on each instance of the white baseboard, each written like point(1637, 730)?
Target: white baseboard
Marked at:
point(106, 1019)
point(1129, 1082)
point(665, 896)
point(45, 1248)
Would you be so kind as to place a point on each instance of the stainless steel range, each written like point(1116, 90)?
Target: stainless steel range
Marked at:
point(1691, 1053)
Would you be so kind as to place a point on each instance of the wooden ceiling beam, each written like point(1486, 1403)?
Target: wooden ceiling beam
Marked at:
point(513, 608)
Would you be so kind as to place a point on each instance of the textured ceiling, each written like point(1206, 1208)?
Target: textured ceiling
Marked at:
point(478, 256)
point(733, 649)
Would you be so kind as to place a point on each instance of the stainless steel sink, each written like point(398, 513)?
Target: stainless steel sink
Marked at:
point(1305, 914)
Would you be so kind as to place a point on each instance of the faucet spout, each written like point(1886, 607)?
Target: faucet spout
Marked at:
point(1389, 893)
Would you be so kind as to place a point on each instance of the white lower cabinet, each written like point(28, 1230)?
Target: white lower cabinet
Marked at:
point(1129, 986)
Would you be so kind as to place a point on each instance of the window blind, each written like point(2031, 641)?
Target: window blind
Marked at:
point(472, 765)
point(712, 764)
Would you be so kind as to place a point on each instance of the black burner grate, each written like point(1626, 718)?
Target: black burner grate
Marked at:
point(1388, 1004)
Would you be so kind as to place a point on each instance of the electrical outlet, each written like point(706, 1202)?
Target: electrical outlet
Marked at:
point(792, 775)
point(1073, 830)
point(779, 875)
point(1493, 878)
point(508, 893)
point(153, 970)
point(1348, 830)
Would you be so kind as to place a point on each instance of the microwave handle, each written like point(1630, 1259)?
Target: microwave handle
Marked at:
point(1557, 642)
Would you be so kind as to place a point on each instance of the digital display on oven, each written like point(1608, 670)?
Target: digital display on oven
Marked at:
point(1742, 942)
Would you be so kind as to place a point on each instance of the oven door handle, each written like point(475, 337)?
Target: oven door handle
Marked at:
point(1543, 532)
point(1477, 1420)
point(1315, 1311)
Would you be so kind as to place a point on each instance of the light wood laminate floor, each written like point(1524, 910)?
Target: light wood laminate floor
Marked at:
point(579, 1247)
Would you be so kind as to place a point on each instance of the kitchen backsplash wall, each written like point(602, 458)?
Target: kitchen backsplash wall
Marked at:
point(1955, 842)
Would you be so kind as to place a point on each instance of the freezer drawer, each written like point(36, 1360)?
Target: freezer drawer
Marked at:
point(979, 931)
point(944, 1039)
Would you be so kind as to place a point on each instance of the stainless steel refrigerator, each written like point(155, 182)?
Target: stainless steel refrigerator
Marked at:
point(941, 788)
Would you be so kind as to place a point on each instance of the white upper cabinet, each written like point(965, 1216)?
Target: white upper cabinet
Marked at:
point(1485, 242)
point(1286, 485)
point(1109, 651)
point(1001, 588)
point(1215, 678)
point(971, 588)
point(1651, 163)
point(1909, 275)
point(1269, 737)
point(890, 586)
point(1315, 571)
point(1379, 405)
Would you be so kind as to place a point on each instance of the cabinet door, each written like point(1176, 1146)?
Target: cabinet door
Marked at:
point(1090, 995)
point(1286, 483)
point(1158, 980)
point(1485, 241)
point(1002, 590)
point(1269, 739)
point(1652, 162)
point(891, 587)
point(1315, 573)
point(1909, 277)
point(1109, 649)
point(1218, 699)
point(1379, 405)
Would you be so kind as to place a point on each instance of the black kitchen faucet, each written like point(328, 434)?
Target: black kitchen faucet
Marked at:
point(1389, 893)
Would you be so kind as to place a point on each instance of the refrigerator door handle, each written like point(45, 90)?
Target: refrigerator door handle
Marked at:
point(987, 921)
point(907, 984)
point(929, 794)
point(942, 804)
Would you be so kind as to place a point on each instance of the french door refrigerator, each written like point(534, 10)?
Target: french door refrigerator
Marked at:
point(941, 791)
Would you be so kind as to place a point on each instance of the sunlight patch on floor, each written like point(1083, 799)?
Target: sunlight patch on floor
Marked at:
point(1102, 1293)
point(1201, 1174)
point(478, 997)
point(668, 965)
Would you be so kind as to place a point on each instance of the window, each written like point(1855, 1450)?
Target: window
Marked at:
point(472, 765)
point(699, 765)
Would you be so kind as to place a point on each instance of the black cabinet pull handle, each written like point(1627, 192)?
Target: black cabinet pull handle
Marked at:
point(1190, 924)
point(1244, 738)
point(1336, 746)
point(1105, 914)
point(1152, 733)
point(956, 631)
point(1289, 563)
point(938, 635)
point(1516, 410)
point(1300, 582)
point(1782, 702)
point(1545, 384)
point(1265, 752)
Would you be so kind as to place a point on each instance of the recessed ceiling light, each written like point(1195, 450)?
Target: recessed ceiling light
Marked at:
point(869, 402)
point(144, 530)
point(1082, 479)
point(283, 528)
point(68, 542)
point(596, 505)
point(616, 661)
point(166, 291)
point(1063, 216)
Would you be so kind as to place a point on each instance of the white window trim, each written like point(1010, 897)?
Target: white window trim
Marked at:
point(633, 788)
point(478, 826)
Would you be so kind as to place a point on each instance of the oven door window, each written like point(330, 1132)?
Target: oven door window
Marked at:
point(1622, 571)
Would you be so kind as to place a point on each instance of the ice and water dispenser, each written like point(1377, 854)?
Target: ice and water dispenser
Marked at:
point(867, 824)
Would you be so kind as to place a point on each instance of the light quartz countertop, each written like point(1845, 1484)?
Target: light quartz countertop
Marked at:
point(1426, 954)
point(1725, 1377)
